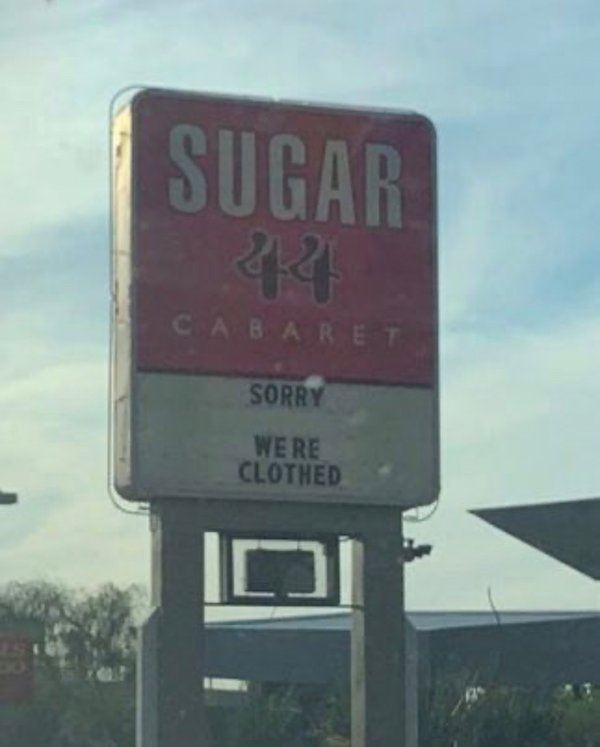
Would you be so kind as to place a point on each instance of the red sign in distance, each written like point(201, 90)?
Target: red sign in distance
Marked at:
point(279, 240)
point(16, 669)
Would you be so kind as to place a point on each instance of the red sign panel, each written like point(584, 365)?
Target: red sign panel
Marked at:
point(283, 240)
point(16, 669)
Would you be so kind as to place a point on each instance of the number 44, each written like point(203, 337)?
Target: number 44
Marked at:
point(314, 267)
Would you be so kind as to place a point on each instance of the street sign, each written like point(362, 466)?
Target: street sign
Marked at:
point(275, 302)
point(16, 668)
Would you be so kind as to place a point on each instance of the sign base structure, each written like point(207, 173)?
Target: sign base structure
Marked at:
point(171, 708)
point(275, 369)
point(275, 302)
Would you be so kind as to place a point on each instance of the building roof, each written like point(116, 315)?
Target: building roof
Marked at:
point(566, 530)
point(420, 620)
point(517, 647)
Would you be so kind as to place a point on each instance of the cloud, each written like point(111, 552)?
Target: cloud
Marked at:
point(520, 418)
point(513, 96)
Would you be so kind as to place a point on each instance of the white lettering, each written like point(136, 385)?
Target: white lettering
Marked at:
point(287, 189)
point(219, 328)
point(336, 184)
point(255, 329)
point(287, 194)
point(291, 331)
point(392, 334)
point(382, 175)
point(358, 335)
point(237, 196)
point(325, 332)
point(188, 193)
point(182, 325)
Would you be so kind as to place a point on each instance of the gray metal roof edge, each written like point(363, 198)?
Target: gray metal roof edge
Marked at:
point(545, 504)
point(533, 615)
point(266, 621)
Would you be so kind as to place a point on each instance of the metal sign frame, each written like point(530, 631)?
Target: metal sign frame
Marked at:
point(175, 426)
point(330, 544)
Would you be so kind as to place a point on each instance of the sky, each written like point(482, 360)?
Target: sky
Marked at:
point(512, 88)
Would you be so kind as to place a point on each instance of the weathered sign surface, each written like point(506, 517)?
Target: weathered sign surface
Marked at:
point(275, 302)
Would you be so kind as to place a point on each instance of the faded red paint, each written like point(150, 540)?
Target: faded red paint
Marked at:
point(185, 264)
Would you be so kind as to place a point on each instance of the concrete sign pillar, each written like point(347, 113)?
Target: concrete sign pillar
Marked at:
point(178, 595)
point(378, 639)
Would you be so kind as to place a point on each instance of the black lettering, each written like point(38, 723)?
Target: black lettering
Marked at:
point(313, 448)
point(334, 474)
point(258, 478)
point(271, 394)
point(286, 395)
point(280, 451)
point(301, 395)
point(262, 263)
point(290, 469)
point(255, 394)
point(319, 474)
point(263, 445)
point(290, 473)
point(274, 473)
point(243, 471)
point(304, 474)
point(317, 393)
point(318, 256)
point(298, 448)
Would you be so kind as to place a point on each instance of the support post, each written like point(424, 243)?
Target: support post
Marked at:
point(178, 595)
point(378, 636)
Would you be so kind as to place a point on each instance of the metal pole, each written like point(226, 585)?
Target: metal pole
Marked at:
point(378, 636)
point(178, 593)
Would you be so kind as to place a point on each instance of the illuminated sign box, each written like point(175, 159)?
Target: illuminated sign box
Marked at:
point(275, 302)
